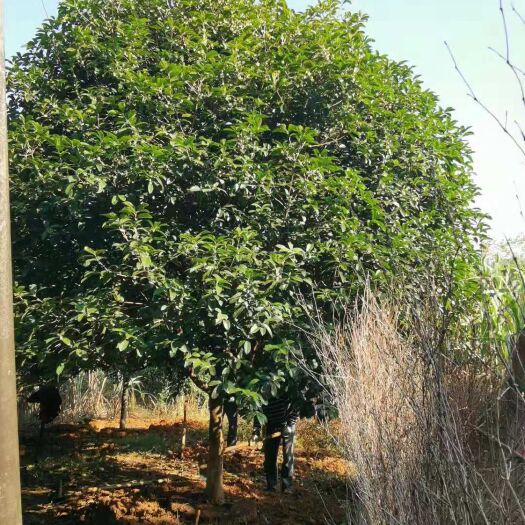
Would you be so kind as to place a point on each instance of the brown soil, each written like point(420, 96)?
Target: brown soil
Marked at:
point(97, 475)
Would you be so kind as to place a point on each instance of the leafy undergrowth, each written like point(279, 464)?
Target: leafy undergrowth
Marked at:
point(97, 475)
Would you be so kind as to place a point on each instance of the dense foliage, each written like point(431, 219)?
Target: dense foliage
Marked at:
point(499, 314)
point(185, 170)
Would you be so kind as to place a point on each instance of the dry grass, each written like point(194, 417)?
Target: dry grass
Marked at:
point(316, 437)
point(89, 395)
point(423, 431)
point(96, 395)
point(196, 406)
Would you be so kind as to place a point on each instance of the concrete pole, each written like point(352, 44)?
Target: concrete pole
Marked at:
point(10, 502)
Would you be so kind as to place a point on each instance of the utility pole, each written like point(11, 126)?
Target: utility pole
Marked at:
point(10, 502)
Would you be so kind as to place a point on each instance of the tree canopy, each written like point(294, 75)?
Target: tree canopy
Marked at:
point(189, 177)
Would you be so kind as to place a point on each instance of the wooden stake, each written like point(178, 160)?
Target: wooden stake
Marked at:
point(184, 425)
point(124, 403)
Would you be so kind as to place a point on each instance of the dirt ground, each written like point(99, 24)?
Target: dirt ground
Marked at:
point(96, 475)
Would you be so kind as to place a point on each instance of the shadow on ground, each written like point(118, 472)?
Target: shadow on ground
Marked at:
point(97, 475)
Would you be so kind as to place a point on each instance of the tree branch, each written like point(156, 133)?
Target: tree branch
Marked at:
point(199, 383)
point(472, 94)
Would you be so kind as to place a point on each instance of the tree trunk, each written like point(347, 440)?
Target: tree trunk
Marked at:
point(184, 426)
point(124, 400)
point(214, 487)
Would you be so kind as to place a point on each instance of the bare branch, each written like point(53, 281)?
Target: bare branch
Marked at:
point(472, 94)
point(505, 30)
point(45, 10)
point(515, 71)
point(505, 60)
point(518, 14)
point(519, 204)
point(521, 129)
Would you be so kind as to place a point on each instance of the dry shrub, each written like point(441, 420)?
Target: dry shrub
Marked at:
point(196, 406)
point(90, 394)
point(95, 394)
point(421, 428)
point(318, 439)
point(377, 390)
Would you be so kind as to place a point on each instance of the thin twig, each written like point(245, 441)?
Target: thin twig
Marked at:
point(500, 55)
point(518, 14)
point(45, 10)
point(483, 105)
point(504, 21)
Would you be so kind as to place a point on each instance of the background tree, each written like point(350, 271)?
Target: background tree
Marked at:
point(192, 179)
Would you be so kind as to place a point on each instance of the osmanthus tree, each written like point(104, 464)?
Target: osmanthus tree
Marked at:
point(62, 333)
point(190, 177)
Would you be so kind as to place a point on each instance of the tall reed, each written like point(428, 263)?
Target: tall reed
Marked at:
point(421, 427)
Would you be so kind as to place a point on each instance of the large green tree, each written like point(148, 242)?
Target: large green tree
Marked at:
point(190, 177)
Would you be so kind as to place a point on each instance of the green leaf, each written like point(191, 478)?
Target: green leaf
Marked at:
point(122, 345)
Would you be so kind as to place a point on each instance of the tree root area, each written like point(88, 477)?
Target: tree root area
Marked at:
point(96, 475)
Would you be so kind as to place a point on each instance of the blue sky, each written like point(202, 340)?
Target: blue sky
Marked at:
point(415, 31)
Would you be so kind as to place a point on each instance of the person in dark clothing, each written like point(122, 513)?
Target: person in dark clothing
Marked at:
point(232, 413)
point(280, 428)
point(49, 399)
